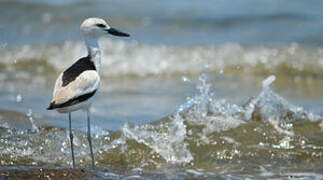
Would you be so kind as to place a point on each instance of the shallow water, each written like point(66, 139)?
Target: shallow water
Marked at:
point(177, 101)
point(211, 134)
point(184, 112)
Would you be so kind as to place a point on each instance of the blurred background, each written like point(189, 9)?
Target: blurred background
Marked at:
point(146, 77)
point(249, 22)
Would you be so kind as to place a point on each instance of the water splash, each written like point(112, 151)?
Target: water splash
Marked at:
point(269, 106)
point(166, 140)
point(218, 115)
point(204, 109)
point(268, 81)
point(30, 118)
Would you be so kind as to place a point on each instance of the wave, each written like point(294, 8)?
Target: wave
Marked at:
point(129, 58)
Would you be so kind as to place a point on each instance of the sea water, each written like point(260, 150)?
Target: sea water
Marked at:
point(200, 90)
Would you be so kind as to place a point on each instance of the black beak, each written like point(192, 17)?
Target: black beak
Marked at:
point(116, 32)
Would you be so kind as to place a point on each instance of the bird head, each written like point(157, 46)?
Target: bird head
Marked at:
point(97, 27)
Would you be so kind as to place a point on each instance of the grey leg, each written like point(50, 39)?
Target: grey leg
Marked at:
point(89, 136)
point(71, 138)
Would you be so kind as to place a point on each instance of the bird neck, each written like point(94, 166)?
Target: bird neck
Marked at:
point(94, 52)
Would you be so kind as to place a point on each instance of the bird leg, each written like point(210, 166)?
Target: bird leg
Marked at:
point(71, 138)
point(89, 136)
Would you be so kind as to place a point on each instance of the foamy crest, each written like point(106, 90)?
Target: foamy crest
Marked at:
point(124, 58)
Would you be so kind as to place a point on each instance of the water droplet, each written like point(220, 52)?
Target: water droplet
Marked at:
point(236, 151)
point(190, 132)
point(19, 98)
point(186, 79)
point(268, 81)
point(207, 66)
point(30, 113)
point(33, 125)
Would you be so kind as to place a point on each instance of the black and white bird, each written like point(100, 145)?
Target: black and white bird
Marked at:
point(77, 85)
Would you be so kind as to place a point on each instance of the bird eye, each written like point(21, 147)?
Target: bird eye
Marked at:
point(100, 25)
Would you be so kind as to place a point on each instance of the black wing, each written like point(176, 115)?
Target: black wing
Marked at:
point(76, 69)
